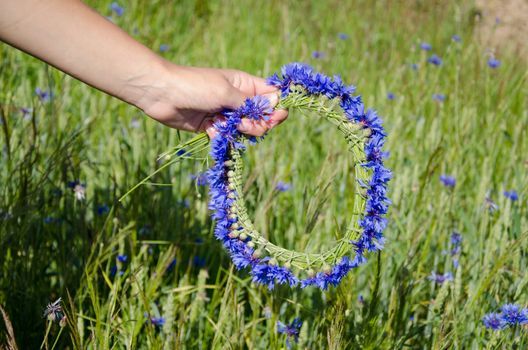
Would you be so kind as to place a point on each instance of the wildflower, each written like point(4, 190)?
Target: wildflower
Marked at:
point(494, 63)
point(200, 178)
point(291, 330)
point(426, 46)
point(53, 311)
point(164, 48)
point(439, 278)
point(318, 54)
point(80, 192)
point(448, 181)
point(415, 66)
point(63, 321)
point(282, 186)
point(157, 321)
point(490, 204)
point(456, 38)
point(118, 10)
point(494, 321)
point(43, 95)
point(514, 314)
point(434, 59)
point(198, 261)
point(456, 243)
point(26, 112)
point(511, 195)
point(391, 96)
point(102, 209)
point(122, 258)
point(439, 97)
point(342, 36)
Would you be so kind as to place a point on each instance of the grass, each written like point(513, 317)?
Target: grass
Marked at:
point(56, 246)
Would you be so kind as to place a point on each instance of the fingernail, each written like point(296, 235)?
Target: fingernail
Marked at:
point(273, 98)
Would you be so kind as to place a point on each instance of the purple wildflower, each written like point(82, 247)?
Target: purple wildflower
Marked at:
point(494, 63)
point(414, 66)
point(456, 38)
point(440, 278)
point(439, 97)
point(391, 96)
point(291, 330)
point(122, 258)
point(434, 59)
point(426, 46)
point(282, 186)
point(164, 48)
point(448, 181)
point(102, 209)
point(43, 95)
point(318, 54)
point(118, 10)
point(200, 178)
point(26, 112)
point(494, 321)
point(343, 36)
point(511, 195)
point(514, 315)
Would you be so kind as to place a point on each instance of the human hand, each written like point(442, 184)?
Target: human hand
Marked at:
point(190, 98)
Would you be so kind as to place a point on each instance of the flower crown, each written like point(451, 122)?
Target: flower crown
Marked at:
point(301, 88)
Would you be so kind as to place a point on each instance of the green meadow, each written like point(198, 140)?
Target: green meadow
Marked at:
point(147, 272)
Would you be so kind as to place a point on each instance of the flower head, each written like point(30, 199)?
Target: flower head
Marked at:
point(391, 96)
point(318, 54)
point(514, 315)
point(456, 38)
point(511, 195)
point(80, 191)
point(102, 209)
point(439, 278)
point(494, 321)
point(122, 258)
point(494, 63)
point(282, 186)
point(43, 95)
point(434, 59)
point(448, 181)
point(118, 10)
point(439, 97)
point(54, 311)
point(426, 46)
point(164, 48)
point(291, 330)
point(342, 36)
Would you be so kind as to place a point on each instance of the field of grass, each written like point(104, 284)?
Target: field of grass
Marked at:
point(147, 273)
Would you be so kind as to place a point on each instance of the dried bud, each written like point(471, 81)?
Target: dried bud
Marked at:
point(63, 321)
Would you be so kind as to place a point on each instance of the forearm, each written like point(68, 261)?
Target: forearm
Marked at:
point(77, 40)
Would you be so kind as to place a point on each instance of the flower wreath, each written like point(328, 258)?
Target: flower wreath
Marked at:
point(302, 88)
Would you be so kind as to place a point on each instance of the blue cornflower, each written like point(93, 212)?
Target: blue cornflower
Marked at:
point(415, 66)
point(282, 186)
point(511, 195)
point(434, 59)
point(118, 10)
point(456, 246)
point(342, 36)
point(43, 95)
point(456, 38)
point(514, 314)
point(114, 271)
point(102, 209)
point(291, 330)
point(198, 261)
point(448, 181)
point(494, 321)
point(456, 239)
point(157, 321)
point(318, 54)
point(439, 97)
point(26, 111)
point(494, 63)
point(122, 258)
point(164, 48)
point(391, 96)
point(439, 278)
point(426, 46)
point(200, 178)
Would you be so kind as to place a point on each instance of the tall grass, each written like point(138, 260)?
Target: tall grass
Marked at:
point(56, 246)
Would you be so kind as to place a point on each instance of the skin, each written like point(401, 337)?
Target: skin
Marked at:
point(77, 40)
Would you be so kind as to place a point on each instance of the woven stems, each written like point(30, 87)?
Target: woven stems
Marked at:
point(355, 137)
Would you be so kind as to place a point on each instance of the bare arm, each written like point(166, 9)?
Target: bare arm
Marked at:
point(77, 40)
